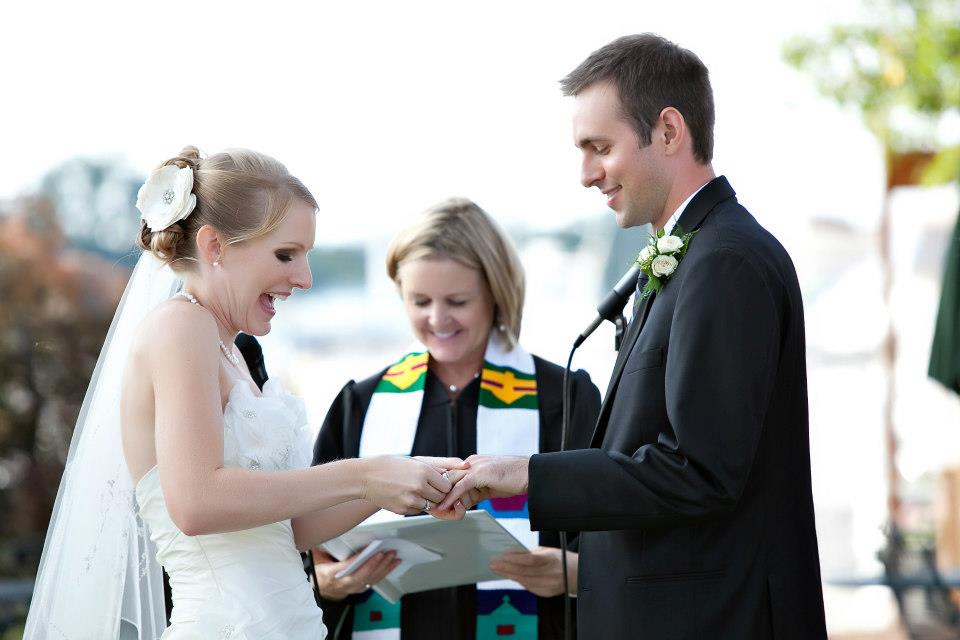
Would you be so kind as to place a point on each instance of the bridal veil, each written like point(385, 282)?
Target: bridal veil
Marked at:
point(98, 577)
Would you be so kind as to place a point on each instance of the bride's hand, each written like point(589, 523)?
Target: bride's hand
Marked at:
point(456, 512)
point(404, 485)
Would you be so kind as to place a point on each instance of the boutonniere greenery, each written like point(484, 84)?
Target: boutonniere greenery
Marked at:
point(661, 257)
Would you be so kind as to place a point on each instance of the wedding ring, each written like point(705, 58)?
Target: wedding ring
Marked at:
point(366, 587)
point(426, 505)
point(444, 474)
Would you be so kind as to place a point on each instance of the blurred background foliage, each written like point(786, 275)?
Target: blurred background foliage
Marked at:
point(58, 303)
point(58, 306)
point(902, 72)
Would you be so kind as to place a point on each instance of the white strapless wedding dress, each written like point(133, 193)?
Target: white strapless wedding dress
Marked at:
point(241, 585)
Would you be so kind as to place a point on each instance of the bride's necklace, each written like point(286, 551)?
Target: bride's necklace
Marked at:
point(228, 354)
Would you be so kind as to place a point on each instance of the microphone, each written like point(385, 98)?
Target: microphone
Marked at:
point(611, 306)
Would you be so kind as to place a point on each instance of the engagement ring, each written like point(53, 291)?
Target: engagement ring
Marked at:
point(426, 505)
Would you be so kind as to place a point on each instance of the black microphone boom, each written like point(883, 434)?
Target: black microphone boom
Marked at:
point(612, 305)
point(608, 309)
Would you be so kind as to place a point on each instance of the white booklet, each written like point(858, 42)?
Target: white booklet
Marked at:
point(434, 553)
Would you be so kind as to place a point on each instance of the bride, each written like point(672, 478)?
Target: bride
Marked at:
point(177, 459)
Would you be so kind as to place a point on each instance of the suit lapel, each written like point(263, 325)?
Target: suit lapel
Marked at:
point(714, 192)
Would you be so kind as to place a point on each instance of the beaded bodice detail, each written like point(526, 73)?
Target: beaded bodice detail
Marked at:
point(267, 432)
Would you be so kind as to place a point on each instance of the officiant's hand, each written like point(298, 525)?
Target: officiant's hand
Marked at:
point(487, 477)
point(369, 573)
point(405, 485)
point(539, 571)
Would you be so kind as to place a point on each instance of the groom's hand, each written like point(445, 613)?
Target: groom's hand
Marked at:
point(487, 477)
point(447, 467)
point(443, 464)
point(454, 513)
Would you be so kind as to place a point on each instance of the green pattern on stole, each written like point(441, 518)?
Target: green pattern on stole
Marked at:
point(506, 622)
point(376, 613)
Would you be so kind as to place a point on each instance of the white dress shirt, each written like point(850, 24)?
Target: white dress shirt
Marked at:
point(672, 222)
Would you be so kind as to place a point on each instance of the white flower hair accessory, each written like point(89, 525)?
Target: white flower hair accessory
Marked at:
point(166, 197)
point(661, 256)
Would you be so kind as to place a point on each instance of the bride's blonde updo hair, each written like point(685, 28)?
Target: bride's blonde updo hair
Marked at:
point(243, 194)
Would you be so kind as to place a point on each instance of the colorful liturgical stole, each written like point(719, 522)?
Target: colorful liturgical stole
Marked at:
point(508, 423)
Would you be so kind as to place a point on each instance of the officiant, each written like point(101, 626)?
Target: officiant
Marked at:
point(466, 386)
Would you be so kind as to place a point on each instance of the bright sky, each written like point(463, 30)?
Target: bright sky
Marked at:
point(383, 108)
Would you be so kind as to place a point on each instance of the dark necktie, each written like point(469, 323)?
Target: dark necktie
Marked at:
point(641, 283)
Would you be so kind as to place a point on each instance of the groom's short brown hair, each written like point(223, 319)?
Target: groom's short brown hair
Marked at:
point(652, 73)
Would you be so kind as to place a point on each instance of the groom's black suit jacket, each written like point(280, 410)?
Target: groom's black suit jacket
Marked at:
point(695, 503)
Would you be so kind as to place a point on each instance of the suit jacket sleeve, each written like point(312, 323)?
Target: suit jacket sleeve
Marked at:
point(720, 367)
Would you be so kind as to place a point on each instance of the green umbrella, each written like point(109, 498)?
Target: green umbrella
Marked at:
point(945, 351)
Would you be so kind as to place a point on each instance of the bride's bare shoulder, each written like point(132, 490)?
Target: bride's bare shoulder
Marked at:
point(176, 325)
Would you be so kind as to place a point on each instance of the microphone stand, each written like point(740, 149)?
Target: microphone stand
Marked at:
point(611, 308)
point(565, 422)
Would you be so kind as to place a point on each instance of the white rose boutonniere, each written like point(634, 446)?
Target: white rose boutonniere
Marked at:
point(661, 257)
point(669, 244)
point(166, 197)
point(647, 253)
point(663, 265)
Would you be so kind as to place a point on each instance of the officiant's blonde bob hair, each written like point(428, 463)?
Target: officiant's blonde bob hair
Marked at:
point(460, 230)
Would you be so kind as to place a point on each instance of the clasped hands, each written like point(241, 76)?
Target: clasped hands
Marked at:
point(472, 481)
point(443, 487)
point(480, 478)
point(448, 488)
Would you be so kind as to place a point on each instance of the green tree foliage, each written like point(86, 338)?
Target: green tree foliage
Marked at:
point(902, 71)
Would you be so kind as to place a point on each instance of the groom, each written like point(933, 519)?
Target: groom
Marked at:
point(695, 500)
